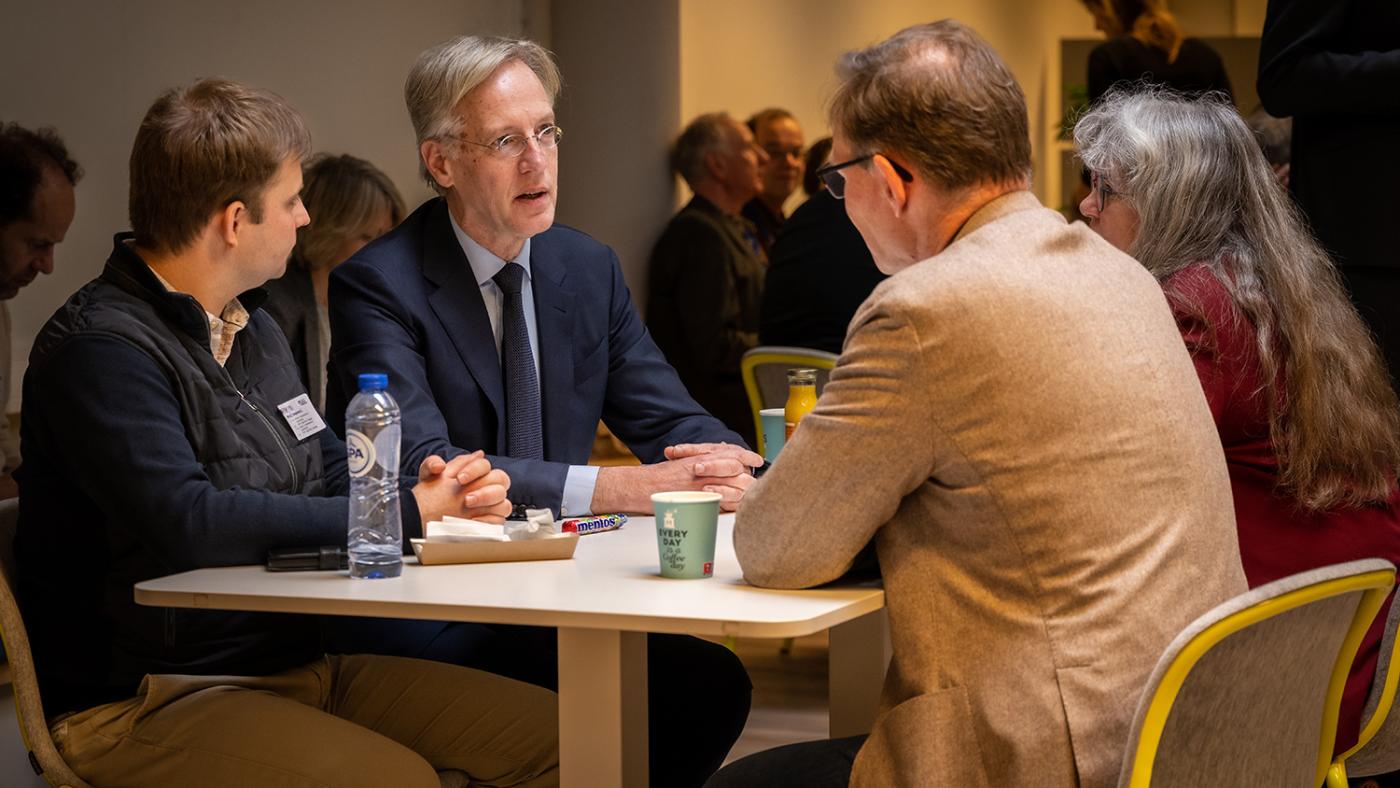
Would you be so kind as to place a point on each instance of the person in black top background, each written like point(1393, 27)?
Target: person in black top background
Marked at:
point(353, 203)
point(1334, 65)
point(820, 272)
point(1145, 43)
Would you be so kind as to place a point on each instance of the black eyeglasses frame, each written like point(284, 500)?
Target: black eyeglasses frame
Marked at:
point(836, 182)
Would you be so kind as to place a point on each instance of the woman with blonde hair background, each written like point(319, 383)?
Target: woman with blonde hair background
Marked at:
point(1301, 398)
point(351, 203)
point(1145, 43)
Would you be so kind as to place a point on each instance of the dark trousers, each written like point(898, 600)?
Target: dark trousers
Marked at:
point(690, 732)
point(1376, 294)
point(810, 764)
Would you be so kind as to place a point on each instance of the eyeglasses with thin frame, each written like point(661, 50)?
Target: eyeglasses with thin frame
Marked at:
point(512, 145)
point(1101, 188)
point(835, 180)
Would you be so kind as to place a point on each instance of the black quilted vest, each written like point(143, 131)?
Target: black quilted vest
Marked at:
point(92, 642)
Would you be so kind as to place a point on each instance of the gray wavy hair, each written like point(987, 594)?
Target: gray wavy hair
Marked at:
point(445, 73)
point(1204, 193)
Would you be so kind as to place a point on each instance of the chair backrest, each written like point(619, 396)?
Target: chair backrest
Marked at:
point(1249, 693)
point(764, 370)
point(33, 726)
point(1377, 749)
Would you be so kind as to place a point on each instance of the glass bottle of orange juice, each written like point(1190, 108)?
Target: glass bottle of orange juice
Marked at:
point(802, 397)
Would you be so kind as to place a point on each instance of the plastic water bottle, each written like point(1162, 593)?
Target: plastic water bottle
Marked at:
point(372, 432)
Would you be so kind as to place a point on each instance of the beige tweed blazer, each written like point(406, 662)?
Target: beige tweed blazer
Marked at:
point(1017, 424)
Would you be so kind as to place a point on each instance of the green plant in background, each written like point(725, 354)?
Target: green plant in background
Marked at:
point(1076, 104)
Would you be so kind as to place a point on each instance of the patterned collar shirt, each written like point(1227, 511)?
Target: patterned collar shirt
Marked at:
point(222, 328)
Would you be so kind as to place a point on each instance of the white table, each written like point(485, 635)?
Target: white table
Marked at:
point(604, 601)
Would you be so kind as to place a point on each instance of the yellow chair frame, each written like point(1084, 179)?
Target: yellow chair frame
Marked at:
point(795, 357)
point(1377, 585)
point(1337, 773)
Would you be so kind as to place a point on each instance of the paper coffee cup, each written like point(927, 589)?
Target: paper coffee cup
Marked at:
point(686, 523)
point(774, 431)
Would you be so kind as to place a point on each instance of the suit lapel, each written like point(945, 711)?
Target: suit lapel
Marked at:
point(549, 272)
point(458, 306)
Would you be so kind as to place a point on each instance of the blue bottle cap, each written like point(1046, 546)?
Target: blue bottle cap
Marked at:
point(373, 381)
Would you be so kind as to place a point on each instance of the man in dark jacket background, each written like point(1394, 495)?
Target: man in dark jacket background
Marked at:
point(707, 270)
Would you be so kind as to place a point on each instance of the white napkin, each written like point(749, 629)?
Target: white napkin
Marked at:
point(538, 524)
point(459, 529)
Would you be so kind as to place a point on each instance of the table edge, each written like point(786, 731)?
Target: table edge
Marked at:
point(499, 615)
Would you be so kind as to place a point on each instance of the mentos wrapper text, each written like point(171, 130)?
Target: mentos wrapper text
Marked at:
point(593, 525)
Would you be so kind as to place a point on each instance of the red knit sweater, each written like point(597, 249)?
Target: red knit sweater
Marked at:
point(1277, 538)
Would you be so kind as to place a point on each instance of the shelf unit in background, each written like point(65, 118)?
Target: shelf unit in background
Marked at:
point(1068, 66)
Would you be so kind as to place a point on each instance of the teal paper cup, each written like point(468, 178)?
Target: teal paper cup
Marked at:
point(686, 523)
point(774, 431)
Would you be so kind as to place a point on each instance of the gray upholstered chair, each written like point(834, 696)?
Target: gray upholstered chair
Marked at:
point(1248, 694)
point(1377, 749)
point(33, 726)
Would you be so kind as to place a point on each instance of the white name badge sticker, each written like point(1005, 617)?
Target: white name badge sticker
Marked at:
point(302, 417)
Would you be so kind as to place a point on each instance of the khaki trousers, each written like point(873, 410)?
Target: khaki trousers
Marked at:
point(339, 721)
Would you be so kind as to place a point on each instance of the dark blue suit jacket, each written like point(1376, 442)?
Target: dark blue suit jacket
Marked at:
point(409, 305)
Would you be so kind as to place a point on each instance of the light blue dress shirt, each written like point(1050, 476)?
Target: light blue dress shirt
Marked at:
point(580, 479)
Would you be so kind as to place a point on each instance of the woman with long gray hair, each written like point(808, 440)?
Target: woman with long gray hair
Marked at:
point(1305, 410)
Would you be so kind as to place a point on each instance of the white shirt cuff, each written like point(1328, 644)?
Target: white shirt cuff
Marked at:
point(578, 491)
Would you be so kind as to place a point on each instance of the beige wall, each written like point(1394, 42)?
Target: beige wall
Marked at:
point(92, 68)
point(742, 55)
point(620, 108)
point(782, 53)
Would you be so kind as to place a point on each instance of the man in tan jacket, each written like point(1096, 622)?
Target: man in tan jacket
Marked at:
point(1016, 424)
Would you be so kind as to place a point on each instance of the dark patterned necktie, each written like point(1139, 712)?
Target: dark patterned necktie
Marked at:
point(524, 434)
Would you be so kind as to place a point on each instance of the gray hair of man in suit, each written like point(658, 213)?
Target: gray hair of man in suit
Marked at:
point(941, 96)
point(443, 75)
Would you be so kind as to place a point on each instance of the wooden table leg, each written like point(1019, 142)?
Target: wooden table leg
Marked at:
point(602, 708)
point(860, 653)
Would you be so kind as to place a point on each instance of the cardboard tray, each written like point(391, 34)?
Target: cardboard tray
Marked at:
point(549, 549)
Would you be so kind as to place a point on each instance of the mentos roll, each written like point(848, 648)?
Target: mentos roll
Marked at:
point(593, 525)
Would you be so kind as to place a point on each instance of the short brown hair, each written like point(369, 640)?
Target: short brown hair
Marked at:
point(763, 117)
point(202, 147)
point(939, 95)
point(343, 194)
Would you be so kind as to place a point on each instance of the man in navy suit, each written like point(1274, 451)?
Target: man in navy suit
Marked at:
point(423, 305)
point(502, 331)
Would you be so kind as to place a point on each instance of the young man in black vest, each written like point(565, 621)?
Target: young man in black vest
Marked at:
point(165, 429)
